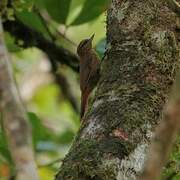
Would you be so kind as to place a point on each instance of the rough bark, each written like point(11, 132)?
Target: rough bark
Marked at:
point(136, 76)
point(14, 119)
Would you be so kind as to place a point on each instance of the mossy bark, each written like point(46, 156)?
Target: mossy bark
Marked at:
point(136, 77)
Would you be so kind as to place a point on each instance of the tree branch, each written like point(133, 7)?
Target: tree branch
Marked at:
point(32, 38)
point(15, 120)
point(162, 143)
point(55, 53)
point(62, 81)
point(175, 6)
point(136, 77)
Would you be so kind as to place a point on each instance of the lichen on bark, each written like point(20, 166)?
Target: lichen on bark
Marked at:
point(136, 77)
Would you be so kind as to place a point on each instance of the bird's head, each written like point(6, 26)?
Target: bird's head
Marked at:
point(84, 46)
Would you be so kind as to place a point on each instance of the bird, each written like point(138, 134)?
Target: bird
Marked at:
point(89, 70)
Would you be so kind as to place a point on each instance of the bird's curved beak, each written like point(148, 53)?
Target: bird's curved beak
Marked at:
point(92, 37)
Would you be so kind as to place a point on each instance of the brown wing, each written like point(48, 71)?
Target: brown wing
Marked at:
point(88, 71)
point(85, 71)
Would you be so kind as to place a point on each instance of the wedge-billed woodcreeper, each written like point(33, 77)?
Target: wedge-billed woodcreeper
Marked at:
point(89, 70)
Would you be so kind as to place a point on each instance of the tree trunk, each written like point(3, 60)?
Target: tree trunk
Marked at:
point(136, 76)
point(15, 120)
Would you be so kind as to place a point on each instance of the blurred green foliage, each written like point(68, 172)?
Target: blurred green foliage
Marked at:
point(90, 10)
point(172, 170)
point(32, 19)
point(58, 9)
point(53, 120)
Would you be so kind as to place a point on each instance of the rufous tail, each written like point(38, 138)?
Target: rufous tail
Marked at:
point(84, 99)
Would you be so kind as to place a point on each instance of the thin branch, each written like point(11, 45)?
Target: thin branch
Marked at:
point(45, 25)
point(14, 119)
point(66, 90)
point(50, 163)
point(175, 6)
point(48, 20)
point(55, 53)
point(65, 37)
point(162, 143)
point(32, 38)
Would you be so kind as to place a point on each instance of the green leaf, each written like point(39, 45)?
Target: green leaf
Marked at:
point(4, 150)
point(22, 4)
point(32, 20)
point(91, 10)
point(39, 132)
point(11, 43)
point(66, 137)
point(39, 4)
point(58, 9)
point(75, 9)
